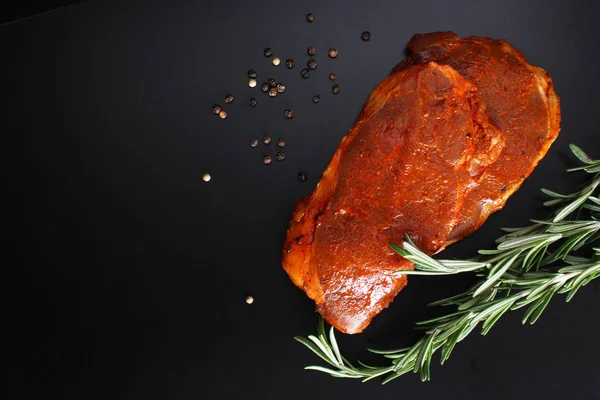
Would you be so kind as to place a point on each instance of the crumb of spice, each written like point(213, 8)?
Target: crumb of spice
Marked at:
point(365, 36)
point(305, 73)
point(216, 109)
point(252, 82)
point(280, 156)
point(332, 76)
point(316, 99)
point(206, 177)
point(229, 99)
point(254, 143)
point(335, 89)
point(266, 139)
point(276, 61)
point(223, 114)
point(333, 53)
point(289, 63)
point(280, 88)
point(252, 74)
point(273, 92)
point(288, 114)
point(249, 299)
point(253, 102)
point(302, 176)
point(312, 64)
point(311, 51)
point(267, 160)
point(281, 143)
point(268, 52)
point(272, 82)
point(310, 17)
point(265, 87)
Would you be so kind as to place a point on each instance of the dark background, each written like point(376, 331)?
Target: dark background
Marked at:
point(124, 274)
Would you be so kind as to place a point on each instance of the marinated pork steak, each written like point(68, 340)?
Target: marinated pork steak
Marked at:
point(520, 100)
point(424, 158)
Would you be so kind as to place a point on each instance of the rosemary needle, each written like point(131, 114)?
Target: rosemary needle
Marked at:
point(529, 266)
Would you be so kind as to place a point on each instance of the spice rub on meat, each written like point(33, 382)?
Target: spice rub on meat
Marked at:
point(440, 144)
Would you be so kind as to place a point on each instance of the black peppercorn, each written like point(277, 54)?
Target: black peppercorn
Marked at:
point(272, 92)
point(366, 36)
point(335, 89)
point(266, 139)
point(252, 74)
point(272, 82)
point(310, 17)
point(216, 109)
point(254, 143)
point(280, 156)
point(253, 102)
point(280, 88)
point(229, 99)
point(311, 51)
point(302, 176)
point(332, 76)
point(305, 73)
point(333, 53)
point(281, 143)
point(268, 52)
point(288, 114)
point(267, 160)
point(265, 87)
point(289, 63)
point(316, 99)
point(312, 64)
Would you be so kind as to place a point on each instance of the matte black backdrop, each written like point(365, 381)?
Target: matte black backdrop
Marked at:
point(125, 274)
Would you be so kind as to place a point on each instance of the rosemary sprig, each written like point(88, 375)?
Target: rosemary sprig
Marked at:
point(522, 272)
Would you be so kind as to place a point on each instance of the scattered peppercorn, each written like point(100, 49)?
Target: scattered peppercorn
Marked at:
point(281, 143)
point(335, 89)
point(312, 64)
point(254, 143)
point(280, 88)
point(266, 139)
point(302, 176)
point(305, 73)
point(311, 51)
point(310, 17)
point(252, 82)
point(229, 99)
point(252, 74)
point(268, 52)
point(223, 114)
point(289, 63)
point(316, 99)
point(272, 82)
point(253, 102)
point(206, 177)
point(276, 61)
point(272, 92)
point(366, 36)
point(288, 114)
point(267, 160)
point(280, 156)
point(216, 109)
point(332, 76)
point(333, 53)
point(249, 299)
point(265, 87)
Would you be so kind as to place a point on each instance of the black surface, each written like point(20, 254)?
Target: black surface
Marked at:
point(15, 10)
point(125, 274)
